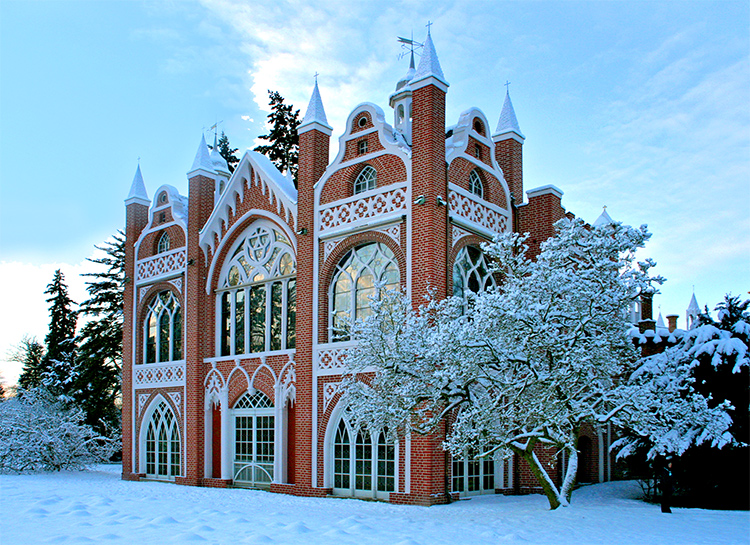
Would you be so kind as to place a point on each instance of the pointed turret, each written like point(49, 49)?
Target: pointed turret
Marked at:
point(660, 321)
point(429, 71)
point(508, 140)
point(401, 100)
point(692, 312)
point(315, 116)
point(217, 161)
point(202, 163)
point(508, 123)
point(603, 219)
point(138, 193)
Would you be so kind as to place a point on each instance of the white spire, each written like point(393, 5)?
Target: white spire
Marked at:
point(660, 321)
point(603, 219)
point(202, 159)
point(429, 67)
point(692, 313)
point(137, 193)
point(508, 122)
point(315, 116)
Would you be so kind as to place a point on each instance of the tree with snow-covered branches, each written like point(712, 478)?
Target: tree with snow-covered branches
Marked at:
point(38, 432)
point(523, 365)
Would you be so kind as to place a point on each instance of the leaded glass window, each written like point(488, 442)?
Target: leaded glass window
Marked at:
point(257, 295)
point(471, 273)
point(162, 444)
point(254, 440)
point(163, 329)
point(367, 179)
point(361, 275)
point(364, 461)
point(475, 184)
point(164, 244)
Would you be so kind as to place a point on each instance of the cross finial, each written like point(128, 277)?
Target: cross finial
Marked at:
point(315, 75)
point(507, 86)
point(428, 25)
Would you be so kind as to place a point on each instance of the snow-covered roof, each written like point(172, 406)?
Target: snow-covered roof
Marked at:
point(315, 114)
point(403, 82)
point(137, 193)
point(202, 159)
point(693, 308)
point(429, 66)
point(603, 219)
point(218, 162)
point(508, 123)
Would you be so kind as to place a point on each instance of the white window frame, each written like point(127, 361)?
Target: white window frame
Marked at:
point(475, 184)
point(158, 307)
point(261, 406)
point(156, 417)
point(366, 180)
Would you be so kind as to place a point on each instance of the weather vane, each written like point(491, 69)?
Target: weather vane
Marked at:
point(409, 45)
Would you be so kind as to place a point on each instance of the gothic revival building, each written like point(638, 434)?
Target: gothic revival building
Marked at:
point(241, 296)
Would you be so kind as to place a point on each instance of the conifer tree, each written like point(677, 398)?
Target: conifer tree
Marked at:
point(99, 357)
point(58, 365)
point(283, 146)
point(227, 152)
point(30, 353)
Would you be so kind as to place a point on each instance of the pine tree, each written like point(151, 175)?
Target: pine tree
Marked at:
point(227, 152)
point(30, 353)
point(99, 356)
point(58, 365)
point(283, 147)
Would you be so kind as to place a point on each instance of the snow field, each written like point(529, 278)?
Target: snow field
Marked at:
point(97, 507)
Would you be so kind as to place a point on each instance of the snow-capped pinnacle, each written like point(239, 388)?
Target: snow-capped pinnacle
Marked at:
point(692, 313)
point(508, 122)
point(218, 162)
point(603, 219)
point(693, 306)
point(202, 159)
point(315, 116)
point(429, 67)
point(660, 321)
point(138, 193)
point(403, 82)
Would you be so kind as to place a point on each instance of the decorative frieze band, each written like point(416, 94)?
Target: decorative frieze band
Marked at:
point(330, 361)
point(351, 213)
point(153, 375)
point(161, 265)
point(480, 214)
point(394, 231)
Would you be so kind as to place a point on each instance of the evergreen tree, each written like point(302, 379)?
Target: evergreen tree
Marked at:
point(30, 353)
point(227, 152)
point(283, 147)
point(99, 356)
point(2, 388)
point(58, 365)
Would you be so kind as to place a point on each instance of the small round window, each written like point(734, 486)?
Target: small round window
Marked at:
point(362, 121)
point(163, 197)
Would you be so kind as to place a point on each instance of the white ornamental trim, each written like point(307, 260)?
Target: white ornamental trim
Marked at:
point(154, 375)
point(351, 213)
point(142, 399)
point(142, 292)
point(477, 213)
point(161, 265)
point(177, 283)
point(458, 233)
point(394, 232)
point(330, 389)
point(177, 400)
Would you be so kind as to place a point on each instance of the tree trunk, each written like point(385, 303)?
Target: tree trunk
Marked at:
point(550, 490)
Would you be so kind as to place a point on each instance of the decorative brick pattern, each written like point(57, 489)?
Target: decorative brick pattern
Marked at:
point(161, 265)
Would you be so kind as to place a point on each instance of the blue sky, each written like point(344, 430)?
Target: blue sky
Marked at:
point(640, 106)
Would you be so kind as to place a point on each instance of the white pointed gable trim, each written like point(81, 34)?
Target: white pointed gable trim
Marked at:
point(253, 169)
point(177, 203)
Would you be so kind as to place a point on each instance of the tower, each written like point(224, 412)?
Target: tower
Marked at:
point(508, 140)
point(401, 102)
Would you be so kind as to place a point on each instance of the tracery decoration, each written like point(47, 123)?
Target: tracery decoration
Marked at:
point(163, 329)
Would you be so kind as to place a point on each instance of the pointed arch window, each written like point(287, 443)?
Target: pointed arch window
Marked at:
point(254, 428)
point(163, 329)
point(162, 446)
point(475, 184)
point(364, 461)
point(164, 244)
point(360, 275)
point(366, 180)
point(471, 273)
point(257, 296)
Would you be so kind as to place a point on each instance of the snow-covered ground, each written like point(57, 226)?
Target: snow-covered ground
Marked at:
point(97, 507)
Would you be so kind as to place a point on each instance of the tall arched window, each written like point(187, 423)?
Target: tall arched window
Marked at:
point(163, 329)
point(471, 272)
point(472, 475)
point(364, 461)
point(366, 180)
point(257, 294)
point(164, 244)
point(475, 184)
point(162, 446)
point(360, 275)
point(253, 440)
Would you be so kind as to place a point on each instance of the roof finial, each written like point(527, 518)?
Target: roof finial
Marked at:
point(507, 86)
point(428, 25)
point(315, 75)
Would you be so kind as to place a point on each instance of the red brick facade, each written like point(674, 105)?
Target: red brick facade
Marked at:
point(421, 212)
